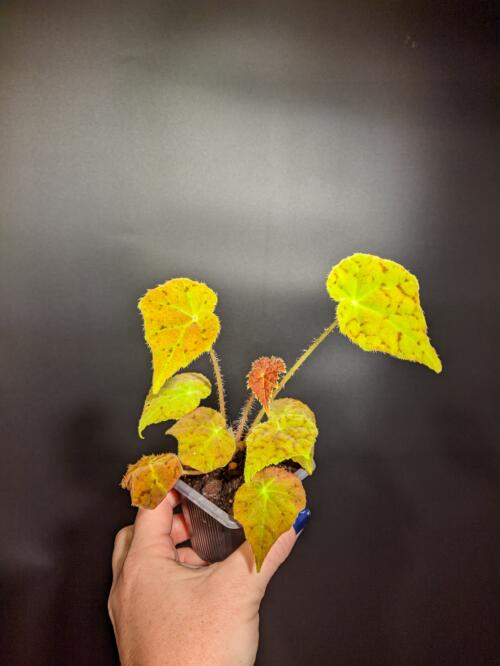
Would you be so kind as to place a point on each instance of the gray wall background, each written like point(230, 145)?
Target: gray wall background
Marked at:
point(251, 146)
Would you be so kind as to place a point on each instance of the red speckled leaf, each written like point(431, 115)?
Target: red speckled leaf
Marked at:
point(179, 325)
point(289, 432)
point(379, 308)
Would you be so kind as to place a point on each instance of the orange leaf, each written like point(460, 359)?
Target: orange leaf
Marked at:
point(263, 378)
point(150, 479)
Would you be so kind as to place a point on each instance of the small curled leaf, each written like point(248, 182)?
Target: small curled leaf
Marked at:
point(178, 396)
point(150, 479)
point(289, 432)
point(205, 442)
point(179, 325)
point(263, 378)
point(379, 308)
point(267, 506)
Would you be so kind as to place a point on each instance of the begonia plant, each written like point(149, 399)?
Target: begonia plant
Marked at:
point(378, 309)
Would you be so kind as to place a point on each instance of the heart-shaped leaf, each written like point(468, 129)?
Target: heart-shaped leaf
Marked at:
point(289, 432)
point(178, 396)
point(150, 479)
point(263, 378)
point(267, 506)
point(179, 325)
point(205, 442)
point(379, 308)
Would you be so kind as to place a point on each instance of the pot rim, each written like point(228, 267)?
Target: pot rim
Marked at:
point(212, 509)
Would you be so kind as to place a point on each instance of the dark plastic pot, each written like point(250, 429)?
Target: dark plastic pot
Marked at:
point(214, 533)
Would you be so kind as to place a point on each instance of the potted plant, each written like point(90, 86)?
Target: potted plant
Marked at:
point(244, 479)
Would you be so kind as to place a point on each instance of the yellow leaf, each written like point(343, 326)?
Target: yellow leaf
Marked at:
point(179, 325)
point(289, 433)
point(379, 308)
point(178, 396)
point(267, 506)
point(150, 479)
point(205, 442)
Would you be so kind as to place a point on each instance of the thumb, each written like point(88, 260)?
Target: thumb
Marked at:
point(283, 546)
point(154, 526)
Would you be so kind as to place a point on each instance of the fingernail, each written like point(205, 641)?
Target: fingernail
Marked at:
point(301, 520)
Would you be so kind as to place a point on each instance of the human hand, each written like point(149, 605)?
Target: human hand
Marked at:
point(170, 608)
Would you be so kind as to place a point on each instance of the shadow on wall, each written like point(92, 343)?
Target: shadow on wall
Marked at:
point(463, 439)
point(83, 546)
point(363, 529)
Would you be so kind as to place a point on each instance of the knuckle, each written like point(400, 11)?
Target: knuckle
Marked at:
point(123, 534)
point(110, 605)
point(113, 602)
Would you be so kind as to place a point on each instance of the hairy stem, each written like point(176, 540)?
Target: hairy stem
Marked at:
point(302, 358)
point(219, 381)
point(243, 419)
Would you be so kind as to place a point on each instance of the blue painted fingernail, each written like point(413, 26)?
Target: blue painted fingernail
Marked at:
point(301, 520)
